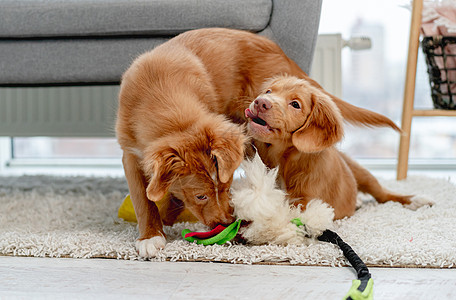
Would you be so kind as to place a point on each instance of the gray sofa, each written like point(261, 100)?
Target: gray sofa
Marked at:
point(87, 42)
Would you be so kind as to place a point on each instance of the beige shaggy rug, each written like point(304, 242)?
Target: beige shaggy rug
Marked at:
point(77, 217)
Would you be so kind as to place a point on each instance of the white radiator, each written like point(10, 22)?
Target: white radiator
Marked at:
point(87, 111)
point(327, 63)
point(90, 111)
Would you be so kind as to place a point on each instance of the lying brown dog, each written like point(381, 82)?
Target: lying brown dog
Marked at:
point(171, 131)
point(297, 126)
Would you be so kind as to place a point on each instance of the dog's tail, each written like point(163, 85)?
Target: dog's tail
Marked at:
point(360, 116)
point(352, 114)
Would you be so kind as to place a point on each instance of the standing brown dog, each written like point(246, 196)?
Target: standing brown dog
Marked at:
point(175, 143)
point(169, 125)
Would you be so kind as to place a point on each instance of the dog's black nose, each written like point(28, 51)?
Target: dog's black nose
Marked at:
point(262, 104)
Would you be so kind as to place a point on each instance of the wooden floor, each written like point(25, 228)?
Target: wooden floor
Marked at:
point(52, 278)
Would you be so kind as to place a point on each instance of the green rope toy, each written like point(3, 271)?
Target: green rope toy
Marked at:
point(361, 289)
point(219, 235)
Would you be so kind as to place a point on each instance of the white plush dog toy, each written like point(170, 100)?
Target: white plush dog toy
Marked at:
point(272, 220)
point(256, 198)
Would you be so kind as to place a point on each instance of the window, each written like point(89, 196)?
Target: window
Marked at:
point(57, 110)
point(60, 156)
point(374, 79)
point(65, 148)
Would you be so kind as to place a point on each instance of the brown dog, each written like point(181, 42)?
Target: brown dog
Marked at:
point(297, 126)
point(170, 128)
point(174, 142)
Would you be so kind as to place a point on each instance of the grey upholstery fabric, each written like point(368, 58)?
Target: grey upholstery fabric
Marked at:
point(293, 24)
point(70, 60)
point(48, 18)
point(52, 42)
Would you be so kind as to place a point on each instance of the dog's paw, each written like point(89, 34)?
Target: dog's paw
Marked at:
point(418, 201)
point(318, 217)
point(149, 247)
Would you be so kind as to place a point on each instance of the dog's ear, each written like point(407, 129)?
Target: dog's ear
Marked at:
point(227, 146)
point(166, 166)
point(323, 127)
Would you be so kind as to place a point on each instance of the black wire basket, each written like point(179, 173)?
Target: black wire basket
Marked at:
point(440, 52)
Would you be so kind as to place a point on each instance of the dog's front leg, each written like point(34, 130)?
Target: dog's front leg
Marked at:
point(171, 209)
point(151, 235)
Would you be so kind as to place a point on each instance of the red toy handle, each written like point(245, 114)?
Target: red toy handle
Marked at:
point(207, 234)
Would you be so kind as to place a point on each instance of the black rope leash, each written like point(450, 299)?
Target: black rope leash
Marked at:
point(363, 287)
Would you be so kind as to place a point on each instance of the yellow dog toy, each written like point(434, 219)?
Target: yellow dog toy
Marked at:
point(127, 211)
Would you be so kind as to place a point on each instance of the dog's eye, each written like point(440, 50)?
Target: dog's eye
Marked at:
point(295, 104)
point(201, 197)
point(268, 92)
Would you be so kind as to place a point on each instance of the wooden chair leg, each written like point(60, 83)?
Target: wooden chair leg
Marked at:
point(409, 90)
point(404, 145)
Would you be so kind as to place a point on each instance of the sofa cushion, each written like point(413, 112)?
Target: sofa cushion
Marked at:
point(53, 18)
point(72, 60)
